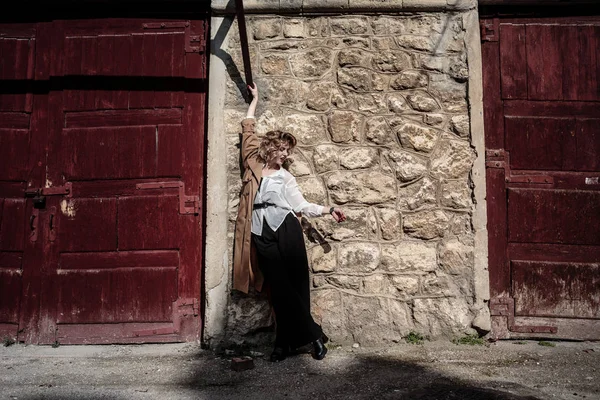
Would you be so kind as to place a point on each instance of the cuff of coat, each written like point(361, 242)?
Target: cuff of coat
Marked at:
point(248, 124)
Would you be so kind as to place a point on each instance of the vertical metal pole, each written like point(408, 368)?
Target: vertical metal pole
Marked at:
point(239, 6)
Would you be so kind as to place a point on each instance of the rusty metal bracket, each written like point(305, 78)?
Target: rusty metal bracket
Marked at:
point(489, 30)
point(505, 307)
point(66, 190)
point(184, 200)
point(193, 43)
point(500, 158)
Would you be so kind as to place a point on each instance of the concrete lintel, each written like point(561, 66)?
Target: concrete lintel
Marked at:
point(329, 6)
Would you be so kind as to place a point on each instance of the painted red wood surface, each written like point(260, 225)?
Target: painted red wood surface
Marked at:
point(542, 121)
point(118, 102)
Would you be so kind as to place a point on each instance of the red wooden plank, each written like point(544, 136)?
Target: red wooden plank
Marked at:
point(14, 149)
point(72, 64)
point(588, 85)
point(108, 188)
point(137, 153)
point(137, 68)
point(170, 155)
point(164, 67)
point(572, 63)
point(149, 61)
point(545, 45)
point(12, 231)
point(11, 189)
point(513, 61)
point(9, 53)
point(112, 296)
point(122, 67)
point(89, 66)
point(14, 120)
point(30, 73)
point(87, 225)
point(497, 261)
point(105, 66)
point(537, 143)
point(123, 118)
point(121, 259)
point(556, 289)
point(109, 153)
point(178, 98)
point(587, 157)
point(156, 216)
point(553, 252)
point(21, 59)
point(554, 216)
point(10, 294)
point(552, 109)
point(492, 111)
point(116, 333)
point(10, 260)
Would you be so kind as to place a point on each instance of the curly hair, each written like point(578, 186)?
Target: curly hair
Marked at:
point(271, 142)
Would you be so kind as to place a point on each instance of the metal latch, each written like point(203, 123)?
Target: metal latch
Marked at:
point(500, 159)
point(489, 30)
point(187, 204)
point(39, 194)
point(193, 43)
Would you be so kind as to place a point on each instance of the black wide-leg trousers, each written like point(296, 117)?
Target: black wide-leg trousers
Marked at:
point(283, 261)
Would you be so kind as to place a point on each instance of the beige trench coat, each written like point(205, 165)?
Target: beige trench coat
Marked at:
point(245, 264)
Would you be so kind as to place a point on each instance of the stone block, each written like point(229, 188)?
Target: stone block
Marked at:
point(390, 223)
point(376, 284)
point(400, 319)
point(345, 26)
point(293, 28)
point(386, 25)
point(327, 310)
point(442, 317)
point(361, 187)
point(284, 91)
point(456, 194)
point(374, 103)
point(345, 126)
point(429, 5)
point(427, 224)
point(358, 257)
point(420, 43)
point(376, 5)
point(383, 43)
point(378, 131)
point(312, 63)
point(409, 80)
point(434, 119)
point(322, 260)
point(358, 158)
point(324, 5)
point(460, 125)
point(326, 158)
point(452, 159)
point(300, 166)
point(266, 28)
point(356, 78)
point(408, 256)
point(397, 103)
point(344, 282)
point(407, 166)
point(450, 93)
point(417, 137)
point(392, 61)
point(354, 57)
point(313, 190)
point(421, 194)
point(367, 318)
point(308, 129)
point(275, 64)
point(421, 101)
point(456, 258)
point(404, 286)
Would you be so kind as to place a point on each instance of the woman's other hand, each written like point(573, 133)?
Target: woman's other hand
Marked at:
point(338, 215)
point(253, 90)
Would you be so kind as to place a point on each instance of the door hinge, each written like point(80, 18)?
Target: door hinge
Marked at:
point(505, 307)
point(193, 43)
point(187, 204)
point(489, 30)
point(500, 159)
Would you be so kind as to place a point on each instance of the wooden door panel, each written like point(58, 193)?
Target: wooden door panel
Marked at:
point(555, 289)
point(116, 287)
point(87, 224)
point(542, 116)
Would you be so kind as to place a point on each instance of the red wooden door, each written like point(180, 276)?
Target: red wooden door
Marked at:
point(122, 181)
point(542, 123)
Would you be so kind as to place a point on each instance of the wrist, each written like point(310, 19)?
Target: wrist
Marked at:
point(331, 209)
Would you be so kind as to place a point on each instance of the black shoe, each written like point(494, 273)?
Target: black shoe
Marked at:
point(325, 338)
point(278, 354)
point(319, 349)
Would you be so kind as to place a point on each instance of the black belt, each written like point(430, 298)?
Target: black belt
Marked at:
point(258, 206)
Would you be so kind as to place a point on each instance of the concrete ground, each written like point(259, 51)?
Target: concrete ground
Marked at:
point(505, 370)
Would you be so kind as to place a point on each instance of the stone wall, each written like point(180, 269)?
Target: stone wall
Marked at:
point(379, 106)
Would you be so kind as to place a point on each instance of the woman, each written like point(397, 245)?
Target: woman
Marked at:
point(269, 239)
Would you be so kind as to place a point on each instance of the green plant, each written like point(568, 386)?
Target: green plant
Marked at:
point(414, 338)
point(8, 341)
point(471, 340)
point(547, 344)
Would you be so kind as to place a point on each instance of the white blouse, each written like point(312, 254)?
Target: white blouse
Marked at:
point(281, 189)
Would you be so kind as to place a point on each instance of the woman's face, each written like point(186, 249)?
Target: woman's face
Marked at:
point(279, 155)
